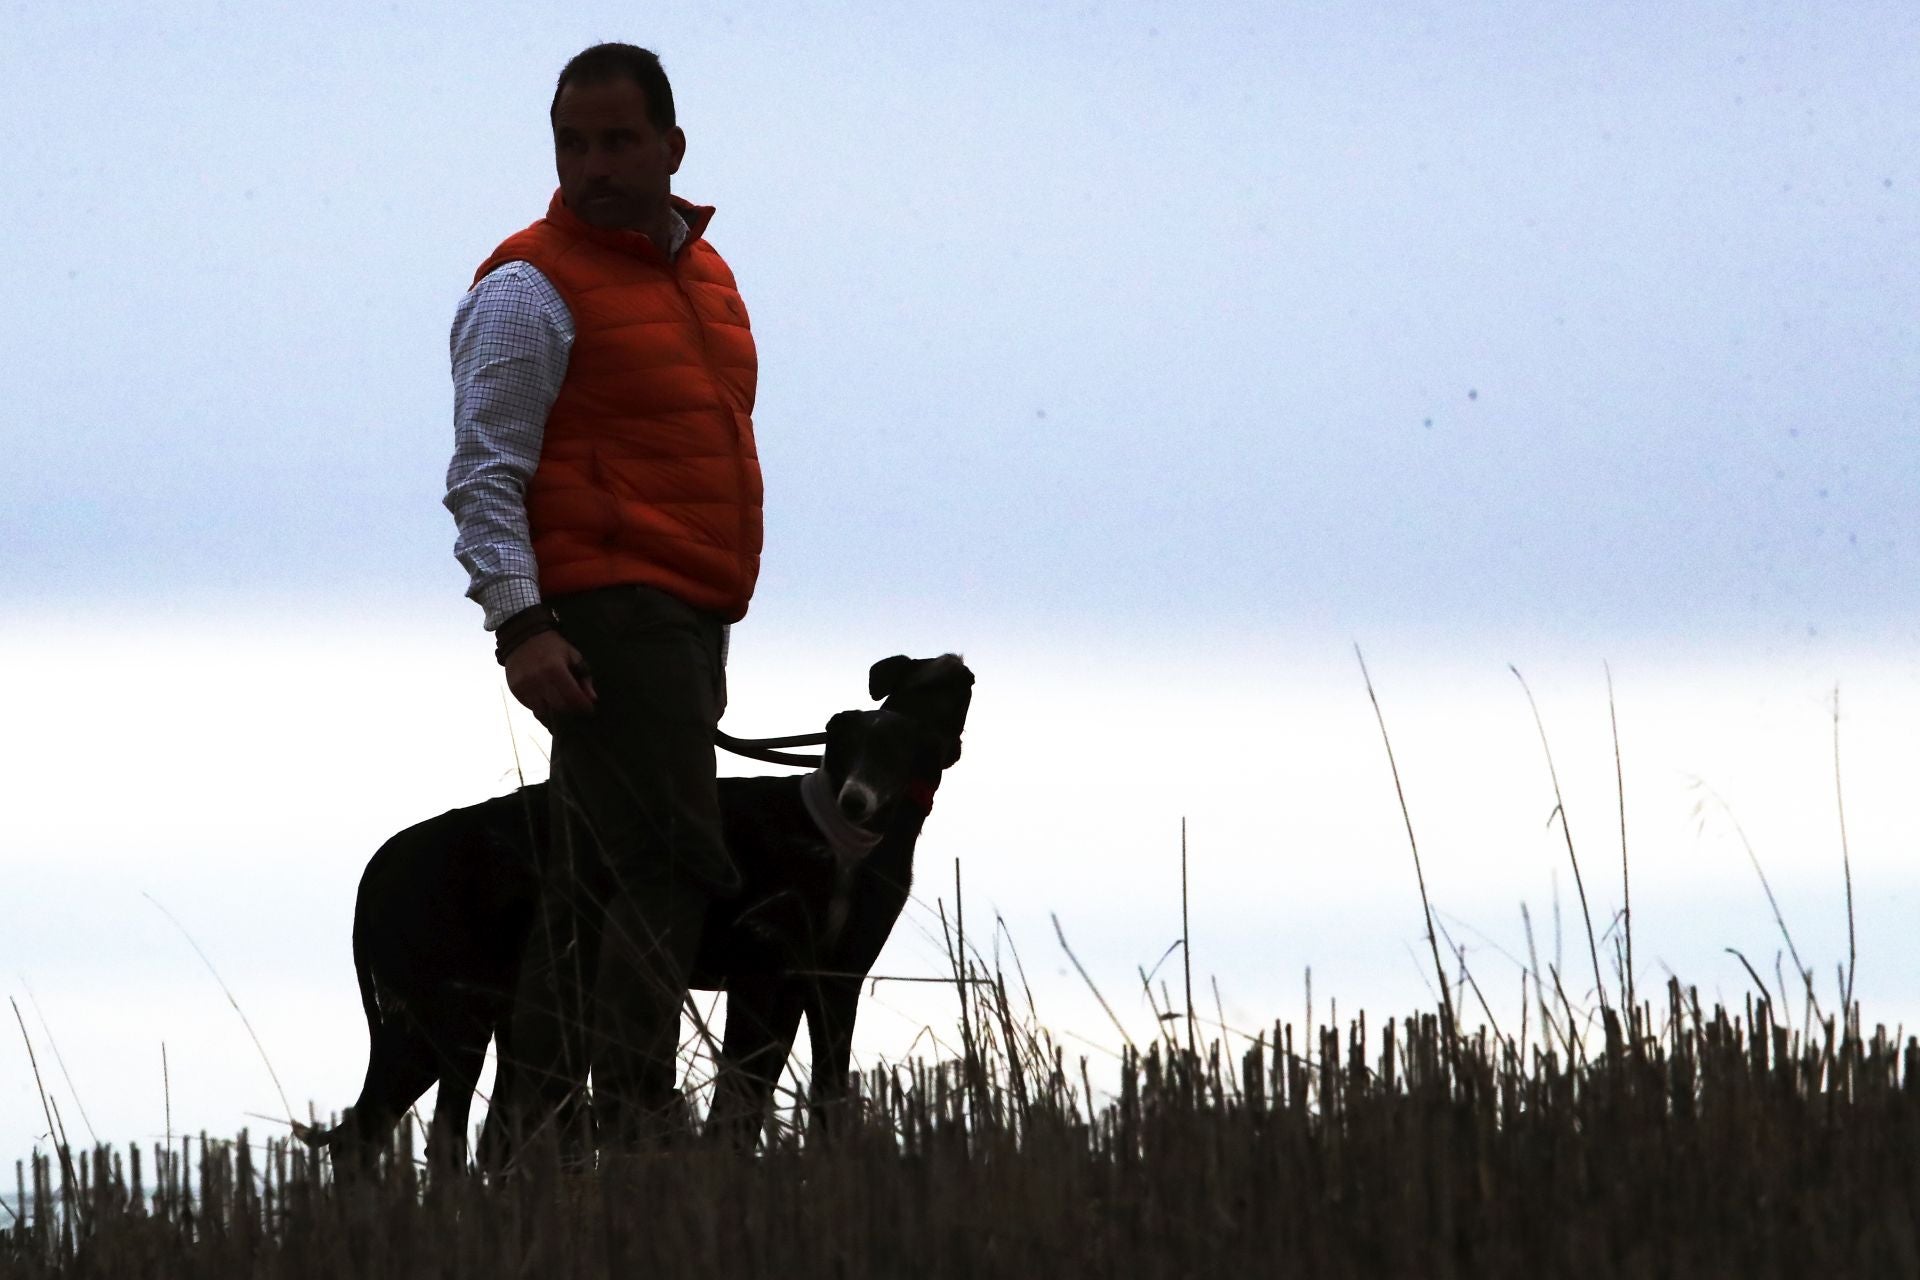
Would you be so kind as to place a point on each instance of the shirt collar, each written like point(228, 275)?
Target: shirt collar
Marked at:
point(678, 232)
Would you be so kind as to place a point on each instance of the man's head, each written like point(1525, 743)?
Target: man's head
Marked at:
point(615, 144)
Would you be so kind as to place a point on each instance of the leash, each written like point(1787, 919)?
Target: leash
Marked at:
point(763, 748)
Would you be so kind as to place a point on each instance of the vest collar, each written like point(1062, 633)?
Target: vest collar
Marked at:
point(697, 217)
point(849, 843)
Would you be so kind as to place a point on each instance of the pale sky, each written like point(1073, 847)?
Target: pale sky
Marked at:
point(1151, 354)
point(1489, 315)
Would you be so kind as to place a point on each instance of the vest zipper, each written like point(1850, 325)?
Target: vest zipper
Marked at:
point(733, 420)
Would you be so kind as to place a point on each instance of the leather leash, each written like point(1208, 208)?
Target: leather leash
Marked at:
point(763, 748)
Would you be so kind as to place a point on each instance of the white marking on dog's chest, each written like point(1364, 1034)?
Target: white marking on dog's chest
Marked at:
point(838, 906)
point(849, 845)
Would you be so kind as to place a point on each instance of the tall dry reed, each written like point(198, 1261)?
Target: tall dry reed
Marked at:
point(1692, 1143)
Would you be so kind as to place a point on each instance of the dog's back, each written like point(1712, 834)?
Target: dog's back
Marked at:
point(445, 905)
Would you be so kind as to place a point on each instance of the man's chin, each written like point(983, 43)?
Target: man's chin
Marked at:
point(609, 213)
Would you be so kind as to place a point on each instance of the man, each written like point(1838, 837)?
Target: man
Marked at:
point(607, 493)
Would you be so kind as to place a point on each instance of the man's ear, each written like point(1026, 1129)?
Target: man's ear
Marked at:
point(886, 675)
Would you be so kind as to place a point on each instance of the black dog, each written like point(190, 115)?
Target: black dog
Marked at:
point(444, 909)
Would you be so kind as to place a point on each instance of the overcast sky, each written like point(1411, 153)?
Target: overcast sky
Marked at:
point(1475, 331)
point(1585, 320)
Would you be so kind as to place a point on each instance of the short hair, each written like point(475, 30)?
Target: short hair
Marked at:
point(605, 62)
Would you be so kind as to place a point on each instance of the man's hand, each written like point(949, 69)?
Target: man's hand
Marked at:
point(550, 678)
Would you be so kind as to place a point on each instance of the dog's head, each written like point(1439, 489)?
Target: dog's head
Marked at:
point(936, 692)
point(878, 760)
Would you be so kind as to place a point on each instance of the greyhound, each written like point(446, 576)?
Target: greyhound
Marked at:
point(445, 907)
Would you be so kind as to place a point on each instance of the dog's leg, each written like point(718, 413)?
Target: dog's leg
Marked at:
point(400, 1066)
point(463, 1055)
point(763, 1016)
point(832, 1004)
point(496, 1135)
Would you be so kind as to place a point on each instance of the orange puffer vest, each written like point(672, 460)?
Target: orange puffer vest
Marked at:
point(648, 472)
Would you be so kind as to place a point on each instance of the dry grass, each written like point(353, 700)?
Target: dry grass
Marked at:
point(1696, 1143)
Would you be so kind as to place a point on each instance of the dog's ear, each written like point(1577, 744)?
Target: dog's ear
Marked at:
point(885, 675)
point(843, 738)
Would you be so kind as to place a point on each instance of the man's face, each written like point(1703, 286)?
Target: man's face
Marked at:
point(615, 167)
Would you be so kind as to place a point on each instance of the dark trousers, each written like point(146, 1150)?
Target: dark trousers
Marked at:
point(637, 854)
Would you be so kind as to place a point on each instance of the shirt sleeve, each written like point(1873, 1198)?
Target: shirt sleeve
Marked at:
point(511, 340)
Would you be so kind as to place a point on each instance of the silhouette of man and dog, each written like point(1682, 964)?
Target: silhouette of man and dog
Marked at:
point(606, 488)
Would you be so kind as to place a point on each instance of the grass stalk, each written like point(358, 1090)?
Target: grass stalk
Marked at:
point(1448, 1023)
point(1081, 969)
point(1846, 859)
point(59, 1060)
point(1186, 938)
point(1566, 830)
point(1467, 979)
point(228, 993)
point(46, 1107)
point(1626, 884)
point(1766, 886)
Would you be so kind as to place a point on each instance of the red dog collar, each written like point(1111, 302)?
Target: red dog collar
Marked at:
point(920, 795)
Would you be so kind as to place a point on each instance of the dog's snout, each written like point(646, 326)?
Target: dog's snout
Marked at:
point(857, 802)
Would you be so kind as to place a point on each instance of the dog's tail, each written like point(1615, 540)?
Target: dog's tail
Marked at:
point(315, 1136)
point(369, 998)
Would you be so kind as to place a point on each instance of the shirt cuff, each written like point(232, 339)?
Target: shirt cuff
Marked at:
point(504, 597)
